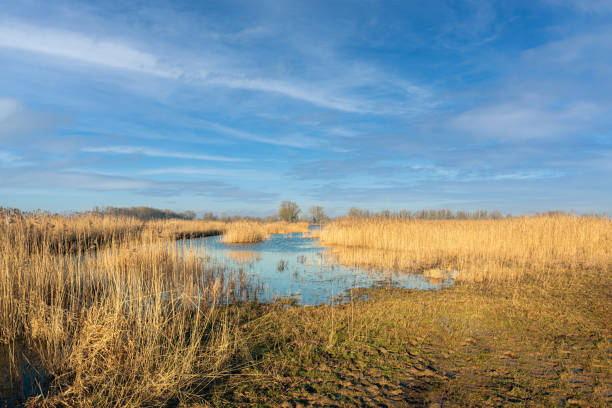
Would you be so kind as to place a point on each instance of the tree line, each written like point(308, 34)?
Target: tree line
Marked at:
point(145, 213)
point(290, 211)
point(443, 214)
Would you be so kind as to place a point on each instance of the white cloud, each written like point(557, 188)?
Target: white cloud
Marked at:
point(230, 71)
point(135, 150)
point(527, 175)
point(66, 44)
point(290, 141)
point(519, 121)
point(198, 171)
point(292, 90)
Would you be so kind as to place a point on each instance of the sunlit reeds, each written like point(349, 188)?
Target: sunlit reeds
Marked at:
point(283, 227)
point(60, 234)
point(476, 250)
point(176, 229)
point(138, 321)
point(244, 233)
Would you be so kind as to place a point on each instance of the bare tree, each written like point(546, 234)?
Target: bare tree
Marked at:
point(289, 211)
point(317, 214)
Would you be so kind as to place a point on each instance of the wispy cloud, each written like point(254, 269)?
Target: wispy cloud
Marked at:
point(63, 180)
point(527, 175)
point(198, 171)
point(586, 6)
point(10, 159)
point(289, 141)
point(119, 54)
point(144, 151)
point(79, 47)
point(520, 121)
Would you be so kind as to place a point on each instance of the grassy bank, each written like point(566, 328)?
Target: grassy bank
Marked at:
point(468, 345)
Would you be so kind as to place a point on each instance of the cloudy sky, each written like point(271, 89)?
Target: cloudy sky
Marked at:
point(233, 106)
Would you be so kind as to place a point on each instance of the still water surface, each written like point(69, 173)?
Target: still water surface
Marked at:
point(291, 266)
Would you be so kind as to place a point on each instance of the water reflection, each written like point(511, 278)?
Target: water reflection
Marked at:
point(293, 266)
point(21, 375)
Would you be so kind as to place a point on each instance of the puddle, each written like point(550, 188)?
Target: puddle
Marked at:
point(20, 377)
point(297, 267)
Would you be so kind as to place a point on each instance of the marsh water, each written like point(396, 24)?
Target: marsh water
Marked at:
point(298, 268)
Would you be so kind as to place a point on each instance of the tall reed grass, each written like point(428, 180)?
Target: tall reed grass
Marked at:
point(477, 250)
point(245, 233)
point(138, 322)
point(283, 227)
point(178, 229)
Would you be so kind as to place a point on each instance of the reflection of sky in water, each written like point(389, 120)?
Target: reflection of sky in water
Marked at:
point(291, 266)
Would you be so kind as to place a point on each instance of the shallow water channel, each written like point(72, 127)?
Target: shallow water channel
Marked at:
point(290, 266)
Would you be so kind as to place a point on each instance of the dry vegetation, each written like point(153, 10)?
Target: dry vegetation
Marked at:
point(141, 322)
point(177, 229)
point(245, 233)
point(136, 322)
point(283, 227)
point(477, 250)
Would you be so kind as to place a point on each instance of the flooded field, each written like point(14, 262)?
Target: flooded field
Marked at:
point(290, 266)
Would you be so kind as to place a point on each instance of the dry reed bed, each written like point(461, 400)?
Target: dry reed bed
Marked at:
point(61, 234)
point(179, 229)
point(245, 233)
point(137, 322)
point(283, 227)
point(478, 250)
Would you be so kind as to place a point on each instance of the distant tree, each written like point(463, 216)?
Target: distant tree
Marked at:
point(189, 215)
point(144, 213)
point(317, 214)
point(354, 213)
point(289, 211)
point(209, 216)
point(496, 215)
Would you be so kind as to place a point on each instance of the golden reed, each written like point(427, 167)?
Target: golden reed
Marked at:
point(477, 250)
point(136, 322)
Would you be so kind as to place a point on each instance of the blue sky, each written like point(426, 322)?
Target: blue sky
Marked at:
point(235, 106)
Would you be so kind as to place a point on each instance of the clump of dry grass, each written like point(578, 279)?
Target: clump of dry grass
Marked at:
point(478, 250)
point(283, 227)
point(245, 233)
point(178, 229)
point(137, 322)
